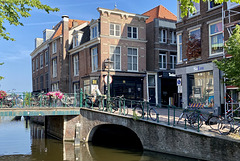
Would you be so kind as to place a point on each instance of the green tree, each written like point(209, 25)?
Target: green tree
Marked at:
point(12, 10)
point(187, 5)
point(231, 65)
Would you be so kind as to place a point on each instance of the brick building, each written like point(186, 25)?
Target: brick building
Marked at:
point(161, 56)
point(77, 51)
point(119, 36)
point(200, 38)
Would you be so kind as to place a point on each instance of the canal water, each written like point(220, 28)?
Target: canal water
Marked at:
point(24, 141)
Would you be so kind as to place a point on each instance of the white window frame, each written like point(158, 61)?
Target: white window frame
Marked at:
point(115, 30)
point(75, 87)
point(172, 63)
point(54, 68)
point(179, 57)
point(36, 64)
point(173, 37)
point(55, 87)
point(131, 32)
point(162, 55)
point(54, 47)
point(94, 54)
point(75, 41)
point(41, 61)
point(196, 12)
point(161, 35)
point(132, 56)
point(46, 58)
point(94, 32)
point(76, 65)
point(210, 41)
point(114, 55)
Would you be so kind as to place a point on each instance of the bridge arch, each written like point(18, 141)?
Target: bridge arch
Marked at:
point(114, 134)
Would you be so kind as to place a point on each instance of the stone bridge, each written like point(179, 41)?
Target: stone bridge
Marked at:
point(160, 137)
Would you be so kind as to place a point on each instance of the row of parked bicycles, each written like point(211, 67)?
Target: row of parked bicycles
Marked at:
point(229, 123)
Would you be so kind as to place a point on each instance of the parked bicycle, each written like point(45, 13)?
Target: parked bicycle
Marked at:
point(139, 111)
point(117, 104)
point(91, 101)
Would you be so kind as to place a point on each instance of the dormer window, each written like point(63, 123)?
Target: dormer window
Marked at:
point(94, 32)
point(75, 41)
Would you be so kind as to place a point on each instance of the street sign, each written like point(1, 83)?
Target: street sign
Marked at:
point(179, 89)
point(110, 79)
point(179, 82)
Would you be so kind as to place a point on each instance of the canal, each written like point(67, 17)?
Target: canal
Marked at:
point(25, 141)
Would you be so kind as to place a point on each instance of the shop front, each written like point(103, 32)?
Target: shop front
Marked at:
point(201, 86)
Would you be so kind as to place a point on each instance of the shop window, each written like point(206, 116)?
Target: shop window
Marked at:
point(201, 90)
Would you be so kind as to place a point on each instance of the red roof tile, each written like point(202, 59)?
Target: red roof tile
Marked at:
point(160, 12)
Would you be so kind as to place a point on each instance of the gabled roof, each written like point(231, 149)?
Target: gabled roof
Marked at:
point(160, 12)
point(58, 31)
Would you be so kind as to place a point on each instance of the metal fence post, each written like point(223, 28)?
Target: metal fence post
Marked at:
point(147, 109)
point(174, 112)
point(81, 98)
point(168, 115)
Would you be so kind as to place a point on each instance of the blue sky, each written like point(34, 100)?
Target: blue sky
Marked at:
point(16, 54)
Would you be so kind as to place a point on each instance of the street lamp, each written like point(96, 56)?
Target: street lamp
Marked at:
point(108, 65)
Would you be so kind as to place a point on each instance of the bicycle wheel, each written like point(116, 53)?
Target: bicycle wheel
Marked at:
point(224, 127)
point(195, 121)
point(153, 114)
point(213, 122)
point(138, 112)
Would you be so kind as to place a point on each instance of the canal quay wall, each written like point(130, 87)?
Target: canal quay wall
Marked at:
point(163, 138)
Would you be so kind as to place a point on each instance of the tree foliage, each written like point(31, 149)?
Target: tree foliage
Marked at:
point(12, 10)
point(231, 64)
point(187, 5)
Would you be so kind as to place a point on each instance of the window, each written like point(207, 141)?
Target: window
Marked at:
point(163, 36)
point(115, 29)
point(197, 6)
point(179, 11)
point(94, 32)
point(216, 38)
point(172, 37)
point(115, 56)
point(211, 4)
point(76, 88)
point(54, 71)
point(34, 85)
point(36, 64)
point(55, 87)
point(151, 80)
point(46, 58)
point(132, 32)
point(194, 44)
point(132, 59)
point(54, 47)
point(75, 41)
point(75, 65)
point(179, 48)
point(162, 60)
point(33, 66)
point(37, 84)
point(94, 59)
point(46, 81)
point(41, 61)
point(173, 61)
point(41, 82)
point(200, 82)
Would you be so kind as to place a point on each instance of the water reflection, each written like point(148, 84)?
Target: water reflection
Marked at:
point(22, 141)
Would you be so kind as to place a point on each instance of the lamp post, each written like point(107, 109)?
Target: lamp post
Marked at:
point(108, 65)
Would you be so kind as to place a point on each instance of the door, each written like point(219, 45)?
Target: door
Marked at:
point(152, 96)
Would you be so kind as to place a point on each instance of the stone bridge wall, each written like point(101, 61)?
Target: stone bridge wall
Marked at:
point(163, 138)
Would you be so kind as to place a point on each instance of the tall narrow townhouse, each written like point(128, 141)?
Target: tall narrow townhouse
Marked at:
point(200, 40)
point(116, 35)
point(50, 59)
point(161, 56)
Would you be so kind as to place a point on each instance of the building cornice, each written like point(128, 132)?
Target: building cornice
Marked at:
point(84, 46)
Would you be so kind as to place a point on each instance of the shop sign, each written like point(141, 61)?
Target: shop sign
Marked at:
point(94, 82)
point(198, 68)
point(171, 75)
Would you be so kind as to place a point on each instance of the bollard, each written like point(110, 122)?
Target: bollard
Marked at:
point(174, 111)
point(81, 98)
point(168, 115)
